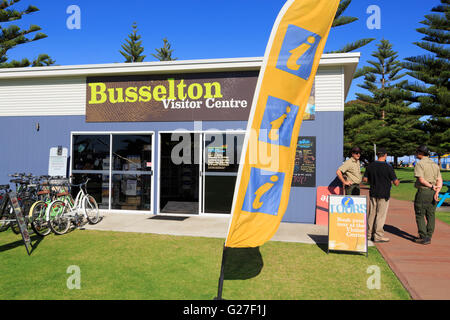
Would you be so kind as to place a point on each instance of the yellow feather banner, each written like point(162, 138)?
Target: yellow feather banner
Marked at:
point(265, 174)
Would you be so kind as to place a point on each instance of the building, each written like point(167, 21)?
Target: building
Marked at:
point(164, 137)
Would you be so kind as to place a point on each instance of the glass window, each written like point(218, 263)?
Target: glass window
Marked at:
point(90, 159)
point(132, 172)
point(90, 152)
point(222, 154)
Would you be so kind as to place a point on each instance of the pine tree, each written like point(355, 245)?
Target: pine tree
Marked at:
point(340, 20)
point(132, 50)
point(382, 116)
point(432, 70)
point(12, 35)
point(164, 53)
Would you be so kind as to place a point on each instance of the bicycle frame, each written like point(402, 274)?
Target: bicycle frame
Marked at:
point(75, 206)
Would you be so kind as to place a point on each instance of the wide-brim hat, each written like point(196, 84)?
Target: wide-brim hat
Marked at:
point(424, 149)
point(356, 150)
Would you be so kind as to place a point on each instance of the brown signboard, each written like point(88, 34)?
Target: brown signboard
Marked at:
point(219, 96)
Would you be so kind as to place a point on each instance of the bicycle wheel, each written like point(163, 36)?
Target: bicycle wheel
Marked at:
point(26, 207)
point(39, 222)
point(7, 216)
point(90, 208)
point(59, 221)
point(4, 225)
point(15, 227)
point(4, 219)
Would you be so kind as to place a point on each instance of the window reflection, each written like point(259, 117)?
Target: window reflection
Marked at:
point(90, 152)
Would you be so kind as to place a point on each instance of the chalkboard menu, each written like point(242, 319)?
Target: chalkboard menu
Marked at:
point(305, 163)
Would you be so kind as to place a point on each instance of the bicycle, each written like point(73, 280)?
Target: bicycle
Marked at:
point(8, 217)
point(45, 195)
point(26, 195)
point(6, 213)
point(67, 211)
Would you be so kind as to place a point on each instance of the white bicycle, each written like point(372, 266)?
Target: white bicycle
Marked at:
point(65, 211)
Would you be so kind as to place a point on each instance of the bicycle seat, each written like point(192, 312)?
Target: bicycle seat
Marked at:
point(43, 192)
point(62, 194)
point(57, 182)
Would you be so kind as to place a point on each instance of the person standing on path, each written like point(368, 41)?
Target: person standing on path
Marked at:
point(428, 184)
point(380, 175)
point(350, 173)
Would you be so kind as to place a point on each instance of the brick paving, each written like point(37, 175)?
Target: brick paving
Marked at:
point(424, 270)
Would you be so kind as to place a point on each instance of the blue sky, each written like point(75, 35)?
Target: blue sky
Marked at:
point(200, 29)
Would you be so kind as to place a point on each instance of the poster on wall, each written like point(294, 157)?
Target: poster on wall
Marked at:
point(57, 163)
point(347, 223)
point(310, 111)
point(218, 158)
point(305, 163)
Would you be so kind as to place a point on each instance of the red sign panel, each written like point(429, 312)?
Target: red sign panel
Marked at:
point(322, 203)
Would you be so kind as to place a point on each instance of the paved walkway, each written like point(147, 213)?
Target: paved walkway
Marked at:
point(424, 270)
point(203, 226)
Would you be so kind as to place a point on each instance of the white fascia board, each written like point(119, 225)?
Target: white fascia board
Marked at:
point(159, 67)
point(186, 66)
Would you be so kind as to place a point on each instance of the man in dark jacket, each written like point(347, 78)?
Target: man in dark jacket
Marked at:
point(380, 176)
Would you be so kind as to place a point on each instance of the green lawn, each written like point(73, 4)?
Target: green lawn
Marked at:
point(117, 265)
point(406, 190)
point(443, 216)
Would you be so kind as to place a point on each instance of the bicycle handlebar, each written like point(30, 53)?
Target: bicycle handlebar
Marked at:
point(81, 184)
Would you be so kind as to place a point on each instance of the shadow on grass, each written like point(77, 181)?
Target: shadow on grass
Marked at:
point(242, 263)
point(322, 242)
point(35, 241)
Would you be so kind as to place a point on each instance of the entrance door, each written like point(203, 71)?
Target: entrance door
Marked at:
point(221, 156)
point(179, 173)
point(132, 172)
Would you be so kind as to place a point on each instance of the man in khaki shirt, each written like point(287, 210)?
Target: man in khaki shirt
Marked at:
point(428, 184)
point(350, 173)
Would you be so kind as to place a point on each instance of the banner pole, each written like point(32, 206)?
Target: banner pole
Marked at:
point(221, 277)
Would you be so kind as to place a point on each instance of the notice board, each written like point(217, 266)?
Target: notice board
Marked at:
point(347, 223)
point(57, 163)
point(305, 163)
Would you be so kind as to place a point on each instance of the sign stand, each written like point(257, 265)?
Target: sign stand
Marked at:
point(347, 224)
point(222, 275)
point(21, 221)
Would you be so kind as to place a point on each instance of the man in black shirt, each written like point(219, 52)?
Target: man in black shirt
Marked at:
point(380, 176)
